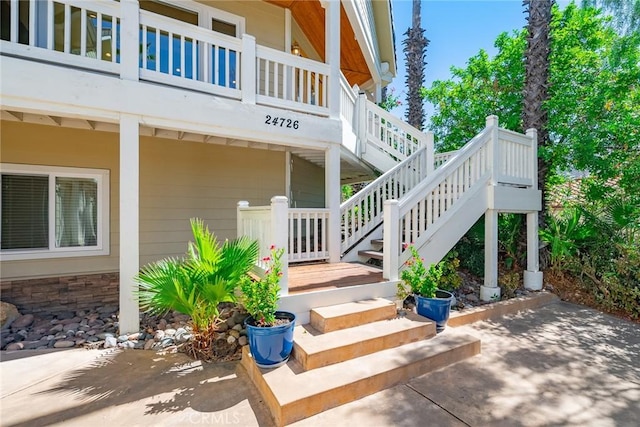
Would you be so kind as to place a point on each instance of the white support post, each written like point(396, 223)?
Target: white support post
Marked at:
point(279, 235)
point(361, 113)
point(430, 154)
point(391, 240)
point(490, 290)
point(332, 200)
point(533, 277)
point(287, 30)
point(129, 40)
point(378, 93)
point(332, 54)
point(248, 70)
point(129, 320)
point(494, 154)
point(239, 224)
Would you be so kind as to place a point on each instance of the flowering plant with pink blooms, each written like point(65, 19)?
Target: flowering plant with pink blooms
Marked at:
point(260, 297)
point(416, 276)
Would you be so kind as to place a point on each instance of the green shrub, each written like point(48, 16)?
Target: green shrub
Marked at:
point(260, 297)
point(208, 275)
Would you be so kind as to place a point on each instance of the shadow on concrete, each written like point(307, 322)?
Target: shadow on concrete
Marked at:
point(558, 365)
point(160, 384)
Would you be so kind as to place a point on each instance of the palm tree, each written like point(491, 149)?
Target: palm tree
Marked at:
point(625, 13)
point(415, 46)
point(534, 115)
point(209, 274)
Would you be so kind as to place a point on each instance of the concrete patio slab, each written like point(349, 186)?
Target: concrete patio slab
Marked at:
point(558, 365)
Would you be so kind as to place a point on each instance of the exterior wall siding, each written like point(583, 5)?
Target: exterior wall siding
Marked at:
point(307, 184)
point(178, 180)
point(264, 21)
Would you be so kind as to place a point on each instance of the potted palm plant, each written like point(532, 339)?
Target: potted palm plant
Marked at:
point(196, 284)
point(431, 302)
point(270, 331)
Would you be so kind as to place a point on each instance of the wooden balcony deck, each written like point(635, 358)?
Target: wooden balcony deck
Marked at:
point(320, 276)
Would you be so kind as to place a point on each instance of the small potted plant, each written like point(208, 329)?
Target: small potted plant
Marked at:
point(270, 331)
point(431, 302)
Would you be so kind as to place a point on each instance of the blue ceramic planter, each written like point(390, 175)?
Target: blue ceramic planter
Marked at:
point(271, 346)
point(436, 309)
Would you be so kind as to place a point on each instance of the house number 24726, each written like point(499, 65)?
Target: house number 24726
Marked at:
point(281, 122)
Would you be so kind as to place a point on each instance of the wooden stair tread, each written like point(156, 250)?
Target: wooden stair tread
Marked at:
point(371, 254)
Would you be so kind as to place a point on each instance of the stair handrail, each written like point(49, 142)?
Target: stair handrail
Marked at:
point(407, 219)
point(395, 137)
point(441, 158)
point(363, 211)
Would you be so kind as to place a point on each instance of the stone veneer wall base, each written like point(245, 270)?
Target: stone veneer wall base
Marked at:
point(66, 293)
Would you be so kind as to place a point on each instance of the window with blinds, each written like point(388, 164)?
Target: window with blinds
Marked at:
point(51, 211)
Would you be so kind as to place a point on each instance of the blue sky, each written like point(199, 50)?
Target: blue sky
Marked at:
point(457, 30)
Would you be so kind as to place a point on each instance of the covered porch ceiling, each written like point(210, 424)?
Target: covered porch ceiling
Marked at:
point(351, 169)
point(309, 15)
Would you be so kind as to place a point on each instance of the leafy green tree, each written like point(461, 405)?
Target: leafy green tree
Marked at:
point(625, 13)
point(594, 89)
point(594, 128)
point(486, 86)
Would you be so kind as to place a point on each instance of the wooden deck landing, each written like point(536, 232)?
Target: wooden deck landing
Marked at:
point(315, 277)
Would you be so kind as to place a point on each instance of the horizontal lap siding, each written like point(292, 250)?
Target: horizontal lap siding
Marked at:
point(307, 184)
point(178, 180)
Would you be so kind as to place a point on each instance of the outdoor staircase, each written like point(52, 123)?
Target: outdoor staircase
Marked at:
point(352, 350)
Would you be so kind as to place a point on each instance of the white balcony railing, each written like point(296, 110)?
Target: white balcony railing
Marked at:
point(91, 35)
point(188, 56)
point(303, 232)
point(289, 81)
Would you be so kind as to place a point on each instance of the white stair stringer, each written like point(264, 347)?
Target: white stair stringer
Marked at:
point(443, 235)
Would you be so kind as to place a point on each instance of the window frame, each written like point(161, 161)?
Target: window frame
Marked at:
point(206, 13)
point(102, 246)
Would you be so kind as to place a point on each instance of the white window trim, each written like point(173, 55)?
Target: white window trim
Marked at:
point(102, 178)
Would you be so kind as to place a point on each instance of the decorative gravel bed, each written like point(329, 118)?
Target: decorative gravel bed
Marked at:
point(98, 328)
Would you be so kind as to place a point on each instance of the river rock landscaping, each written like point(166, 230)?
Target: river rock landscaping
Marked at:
point(98, 328)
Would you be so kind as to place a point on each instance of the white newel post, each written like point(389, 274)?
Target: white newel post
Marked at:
point(130, 40)
point(239, 224)
point(490, 289)
point(332, 201)
point(129, 320)
point(430, 153)
point(532, 275)
point(332, 54)
point(280, 236)
point(494, 154)
point(391, 240)
point(248, 71)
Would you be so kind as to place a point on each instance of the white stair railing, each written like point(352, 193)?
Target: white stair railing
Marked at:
point(384, 138)
point(440, 159)
point(495, 156)
point(363, 212)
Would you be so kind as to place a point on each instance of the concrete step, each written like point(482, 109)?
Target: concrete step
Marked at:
point(371, 254)
point(377, 241)
point(315, 350)
point(293, 394)
point(342, 316)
